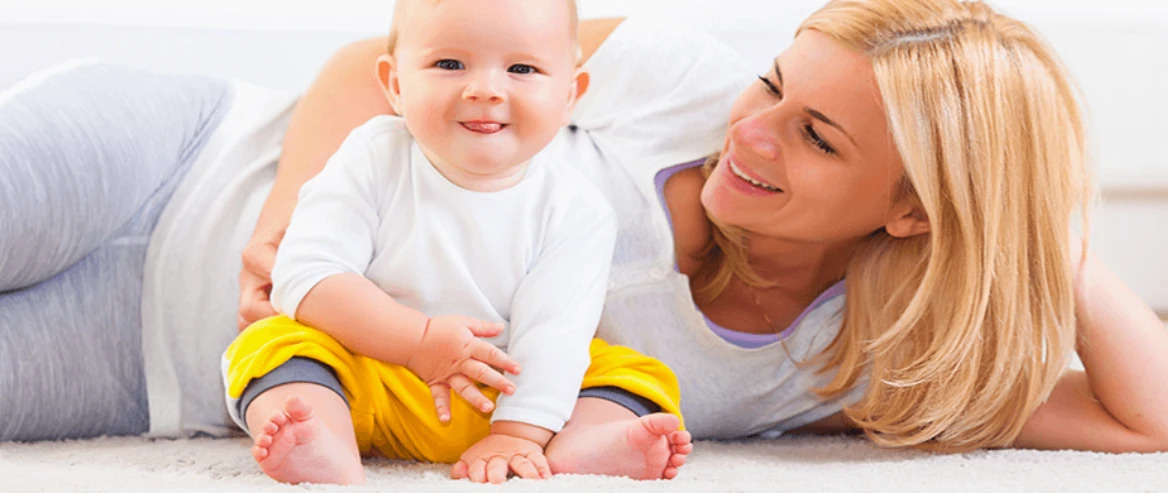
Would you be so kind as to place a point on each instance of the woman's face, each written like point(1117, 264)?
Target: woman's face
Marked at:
point(808, 156)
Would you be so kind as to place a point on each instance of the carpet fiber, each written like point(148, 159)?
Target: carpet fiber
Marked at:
point(818, 464)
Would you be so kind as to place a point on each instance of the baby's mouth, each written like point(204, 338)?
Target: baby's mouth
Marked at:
point(483, 127)
point(757, 183)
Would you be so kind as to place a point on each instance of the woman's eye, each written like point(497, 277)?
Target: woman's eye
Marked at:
point(817, 141)
point(771, 87)
point(449, 64)
point(521, 69)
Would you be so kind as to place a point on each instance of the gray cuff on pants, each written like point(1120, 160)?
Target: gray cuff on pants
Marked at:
point(297, 369)
point(633, 402)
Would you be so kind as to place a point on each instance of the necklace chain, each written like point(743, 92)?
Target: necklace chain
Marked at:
point(754, 297)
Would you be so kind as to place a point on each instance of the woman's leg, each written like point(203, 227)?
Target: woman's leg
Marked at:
point(88, 159)
point(84, 152)
point(71, 354)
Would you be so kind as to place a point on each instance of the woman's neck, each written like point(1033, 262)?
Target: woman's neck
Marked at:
point(802, 269)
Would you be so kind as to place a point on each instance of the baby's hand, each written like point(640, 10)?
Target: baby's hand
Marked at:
point(451, 356)
point(495, 456)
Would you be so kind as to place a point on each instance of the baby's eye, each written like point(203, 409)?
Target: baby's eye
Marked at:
point(522, 69)
point(449, 64)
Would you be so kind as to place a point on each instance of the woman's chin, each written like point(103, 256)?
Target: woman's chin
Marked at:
point(718, 202)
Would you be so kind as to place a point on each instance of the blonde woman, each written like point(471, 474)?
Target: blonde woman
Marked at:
point(881, 243)
point(930, 152)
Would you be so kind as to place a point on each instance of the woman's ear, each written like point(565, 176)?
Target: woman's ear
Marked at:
point(908, 219)
point(387, 76)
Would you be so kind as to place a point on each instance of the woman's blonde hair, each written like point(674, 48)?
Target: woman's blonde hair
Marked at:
point(964, 331)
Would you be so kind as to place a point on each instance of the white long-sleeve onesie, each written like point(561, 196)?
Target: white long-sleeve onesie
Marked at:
point(535, 256)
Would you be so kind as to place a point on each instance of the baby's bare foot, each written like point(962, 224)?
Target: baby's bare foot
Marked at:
point(649, 447)
point(293, 447)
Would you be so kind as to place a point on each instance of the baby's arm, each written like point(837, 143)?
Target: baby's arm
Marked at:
point(443, 351)
point(318, 279)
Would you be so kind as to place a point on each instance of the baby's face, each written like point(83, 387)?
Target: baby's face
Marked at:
point(484, 85)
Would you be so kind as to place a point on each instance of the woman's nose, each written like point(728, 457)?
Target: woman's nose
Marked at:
point(484, 87)
point(756, 134)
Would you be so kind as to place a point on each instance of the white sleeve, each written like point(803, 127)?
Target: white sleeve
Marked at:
point(554, 316)
point(333, 228)
point(661, 89)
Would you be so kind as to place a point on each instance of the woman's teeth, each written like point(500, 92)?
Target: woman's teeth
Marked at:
point(763, 185)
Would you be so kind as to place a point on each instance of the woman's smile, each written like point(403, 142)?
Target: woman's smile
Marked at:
point(745, 179)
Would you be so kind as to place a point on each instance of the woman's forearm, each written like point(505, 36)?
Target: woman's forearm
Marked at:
point(362, 317)
point(1124, 348)
point(344, 95)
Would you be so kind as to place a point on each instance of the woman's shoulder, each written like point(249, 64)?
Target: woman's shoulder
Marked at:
point(691, 229)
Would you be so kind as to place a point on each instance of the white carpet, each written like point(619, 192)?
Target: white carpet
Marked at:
point(812, 464)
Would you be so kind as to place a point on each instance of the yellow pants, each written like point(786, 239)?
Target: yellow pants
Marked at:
point(391, 407)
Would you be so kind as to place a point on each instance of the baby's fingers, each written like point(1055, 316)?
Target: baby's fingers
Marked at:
point(441, 394)
point(483, 328)
point(468, 391)
point(497, 469)
point(460, 470)
point(541, 465)
point(523, 467)
point(480, 372)
point(491, 355)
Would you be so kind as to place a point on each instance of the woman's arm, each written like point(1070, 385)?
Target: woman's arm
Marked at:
point(1121, 403)
point(344, 95)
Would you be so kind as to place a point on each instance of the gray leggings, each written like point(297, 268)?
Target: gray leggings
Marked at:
point(88, 160)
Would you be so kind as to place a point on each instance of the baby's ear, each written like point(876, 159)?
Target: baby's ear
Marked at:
point(387, 77)
point(579, 86)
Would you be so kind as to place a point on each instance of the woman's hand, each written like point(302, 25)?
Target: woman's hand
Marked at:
point(255, 278)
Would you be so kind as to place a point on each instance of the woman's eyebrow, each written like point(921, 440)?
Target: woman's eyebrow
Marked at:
point(823, 118)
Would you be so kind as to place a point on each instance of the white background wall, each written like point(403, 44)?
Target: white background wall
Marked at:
point(344, 15)
point(1117, 49)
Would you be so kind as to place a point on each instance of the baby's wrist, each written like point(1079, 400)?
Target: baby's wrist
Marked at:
point(535, 434)
point(416, 350)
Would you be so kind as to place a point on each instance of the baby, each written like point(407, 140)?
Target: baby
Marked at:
point(426, 232)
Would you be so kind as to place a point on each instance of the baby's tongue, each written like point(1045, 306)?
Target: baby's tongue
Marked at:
point(483, 128)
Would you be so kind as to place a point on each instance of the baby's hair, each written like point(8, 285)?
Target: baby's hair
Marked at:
point(573, 24)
